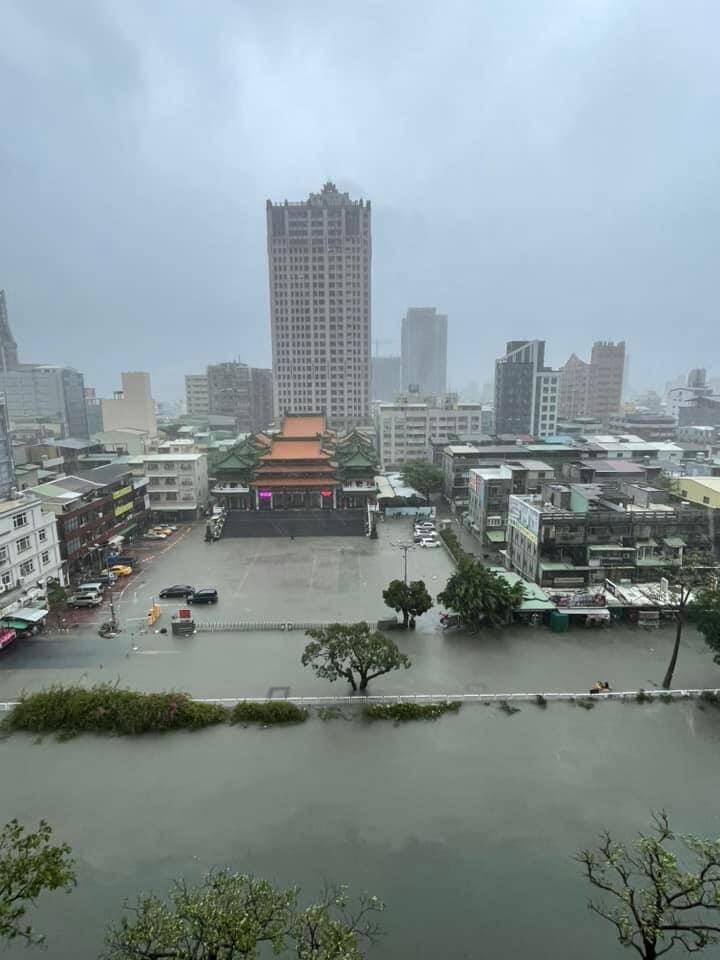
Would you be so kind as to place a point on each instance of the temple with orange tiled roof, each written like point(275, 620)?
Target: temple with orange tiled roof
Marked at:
point(304, 466)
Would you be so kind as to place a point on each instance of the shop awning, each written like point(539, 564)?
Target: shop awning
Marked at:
point(674, 541)
point(30, 614)
point(495, 536)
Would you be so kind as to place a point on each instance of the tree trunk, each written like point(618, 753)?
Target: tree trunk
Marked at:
point(676, 649)
point(406, 616)
point(363, 681)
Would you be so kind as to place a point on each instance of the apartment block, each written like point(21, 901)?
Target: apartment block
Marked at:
point(526, 391)
point(177, 484)
point(593, 389)
point(489, 492)
point(405, 430)
point(29, 552)
point(133, 406)
point(424, 351)
point(319, 256)
point(197, 399)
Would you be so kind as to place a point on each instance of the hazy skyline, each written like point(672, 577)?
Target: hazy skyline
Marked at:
point(542, 170)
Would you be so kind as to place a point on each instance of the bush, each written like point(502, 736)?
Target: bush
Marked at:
point(585, 704)
point(107, 709)
point(508, 708)
point(453, 544)
point(642, 697)
point(541, 701)
point(709, 696)
point(402, 712)
point(271, 711)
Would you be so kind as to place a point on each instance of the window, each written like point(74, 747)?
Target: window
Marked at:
point(706, 500)
point(27, 568)
point(45, 557)
point(42, 535)
point(23, 544)
point(3, 555)
point(20, 520)
point(6, 579)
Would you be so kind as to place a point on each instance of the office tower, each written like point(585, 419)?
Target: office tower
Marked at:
point(93, 409)
point(262, 397)
point(45, 400)
point(197, 402)
point(424, 351)
point(133, 406)
point(526, 391)
point(8, 347)
point(385, 378)
point(319, 254)
point(593, 389)
point(7, 466)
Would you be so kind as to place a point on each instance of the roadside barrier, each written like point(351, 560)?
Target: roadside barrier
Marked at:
point(622, 695)
point(251, 626)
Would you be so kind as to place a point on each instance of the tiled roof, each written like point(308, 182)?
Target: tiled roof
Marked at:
point(299, 426)
point(295, 450)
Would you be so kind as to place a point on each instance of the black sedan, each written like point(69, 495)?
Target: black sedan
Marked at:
point(178, 590)
point(206, 595)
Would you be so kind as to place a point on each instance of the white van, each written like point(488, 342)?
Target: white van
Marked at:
point(91, 587)
point(84, 599)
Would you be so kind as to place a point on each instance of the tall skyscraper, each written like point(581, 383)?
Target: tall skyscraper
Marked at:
point(8, 347)
point(593, 389)
point(385, 378)
point(7, 467)
point(424, 351)
point(197, 402)
point(319, 256)
point(526, 391)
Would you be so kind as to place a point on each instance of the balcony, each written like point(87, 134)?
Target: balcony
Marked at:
point(230, 488)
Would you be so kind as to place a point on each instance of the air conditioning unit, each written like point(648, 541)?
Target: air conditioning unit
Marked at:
point(3, 588)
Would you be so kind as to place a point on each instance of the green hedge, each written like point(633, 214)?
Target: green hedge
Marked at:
point(274, 711)
point(108, 709)
point(403, 712)
point(453, 544)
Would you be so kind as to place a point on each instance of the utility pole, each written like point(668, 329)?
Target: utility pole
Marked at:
point(404, 547)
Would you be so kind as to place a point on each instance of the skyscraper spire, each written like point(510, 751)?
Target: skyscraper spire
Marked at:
point(8, 347)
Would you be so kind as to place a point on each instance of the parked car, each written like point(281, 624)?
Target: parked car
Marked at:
point(6, 637)
point(178, 590)
point(107, 579)
point(91, 586)
point(121, 570)
point(167, 531)
point(152, 535)
point(86, 599)
point(429, 542)
point(206, 595)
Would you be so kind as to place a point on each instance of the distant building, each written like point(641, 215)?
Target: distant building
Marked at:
point(593, 389)
point(489, 491)
point(44, 400)
point(405, 429)
point(424, 351)
point(7, 467)
point(648, 426)
point(177, 484)
point(700, 411)
point(319, 254)
point(385, 378)
point(263, 412)
point(8, 347)
point(93, 409)
point(197, 398)
point(29, 552)
point(526, 391)
point(133, 406)
point(695, 387)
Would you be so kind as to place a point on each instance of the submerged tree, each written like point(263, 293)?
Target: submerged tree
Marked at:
point(704, 611)
point(29, 865)
point(410, 599)
point(478, 595)
point(229, 916)
point(654, 901)
point(695, 573)
point(353, 652)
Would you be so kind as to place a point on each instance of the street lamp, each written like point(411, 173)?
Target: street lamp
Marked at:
point(404, 547)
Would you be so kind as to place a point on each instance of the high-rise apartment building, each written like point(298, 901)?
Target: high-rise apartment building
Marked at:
point(385, 378)
point(424, 351)
point(319, 256)
point(526, 391)
point(45, 400)
point(197, 401)
point(262, 397)
point(593, 389)
point(133, 406)
point(8, 347)
point(7, 466)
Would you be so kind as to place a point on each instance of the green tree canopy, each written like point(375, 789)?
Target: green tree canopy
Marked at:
point(423, 477)
point(410, 599)
point(704, 611)
point(352, 652)
point(230, 916)
point(29, 864)
point(653, 899)
point(478, 595)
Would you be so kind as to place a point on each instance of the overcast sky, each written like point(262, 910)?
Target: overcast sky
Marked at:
point(536, 169)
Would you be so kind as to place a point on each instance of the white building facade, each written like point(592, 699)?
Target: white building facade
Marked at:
point(29, 552)
point(177, 484)
point(405, 430)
